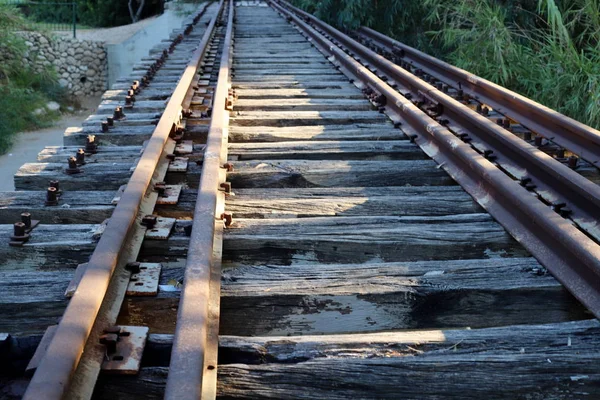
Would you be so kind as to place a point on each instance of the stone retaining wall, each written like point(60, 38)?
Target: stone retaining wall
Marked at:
point(81, 64)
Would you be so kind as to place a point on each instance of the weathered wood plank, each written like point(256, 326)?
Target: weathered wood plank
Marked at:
point(361, 239)
point(276, 118)
point(288, 79)
point(314, 202)
point(96, 206)
point(303, 104)
point(313, 84)
point(339, 298)
point(123, 136)
point(316, 299)
point(104, 154)
point(306, 173)
point(244, 94)
point(59, 154)
point(93, 176)
point(149, 93)
point(327, 150)
point(49, 246)
point(83, 207)
point(107, 107)
point(282, 73)
point(97, 176)
point(379, 131)
point(498, 363)
point(132, 119)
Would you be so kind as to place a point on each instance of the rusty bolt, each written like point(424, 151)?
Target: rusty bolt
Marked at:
point(91, 146)
point(19, 233)
point(110, 121)
point(538, 141)
point(26, 219)
point(489, 154)
point(72, 169)
point(225, 186)
point(560, 153)
point(149, 221)
point(80, 157)
point(485, 111)
point(134, 267)
point(128, 101)
point(104, 126)
point(118, 113)
point(227, 217)
point(228, 167)
point(527, 136)
point(110, 341)
point(573, 161)
point(51, 196)
point(160, 187)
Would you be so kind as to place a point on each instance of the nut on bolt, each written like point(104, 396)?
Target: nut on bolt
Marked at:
point(134, 267)
point(72, 169)
point(91, 146)
point(51, 197)
point(160, 187)
point(573, 161)
point(228, 167)
point(110, 341)
point(19, 234)
point(227, 217)
point(149, 221)
point(26, 219)
point(80, 157)
point(225, 187)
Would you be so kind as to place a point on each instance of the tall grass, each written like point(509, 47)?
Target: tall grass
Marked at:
point(547, 50)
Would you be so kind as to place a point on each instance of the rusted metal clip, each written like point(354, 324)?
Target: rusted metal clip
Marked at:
point(124, 348)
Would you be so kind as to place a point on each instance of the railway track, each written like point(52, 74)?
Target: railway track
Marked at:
point(292, 227)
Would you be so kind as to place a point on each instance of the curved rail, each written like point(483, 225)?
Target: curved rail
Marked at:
point(190, 376)
point(55, 371)
point(571, 256)
point(566, 132)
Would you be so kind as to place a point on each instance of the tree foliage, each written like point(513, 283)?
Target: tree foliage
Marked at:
point(547, 50)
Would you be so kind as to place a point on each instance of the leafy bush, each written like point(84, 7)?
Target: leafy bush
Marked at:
point(22, 91)
point(544, 49)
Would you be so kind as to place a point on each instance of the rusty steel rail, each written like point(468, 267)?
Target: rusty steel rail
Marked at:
point(570, 255)
point(190, 376)
point(56, 369)
point(564, 131)
point(566, 191)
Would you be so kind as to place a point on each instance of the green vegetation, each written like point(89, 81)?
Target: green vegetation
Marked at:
point(22, 91)
point(548, 50)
